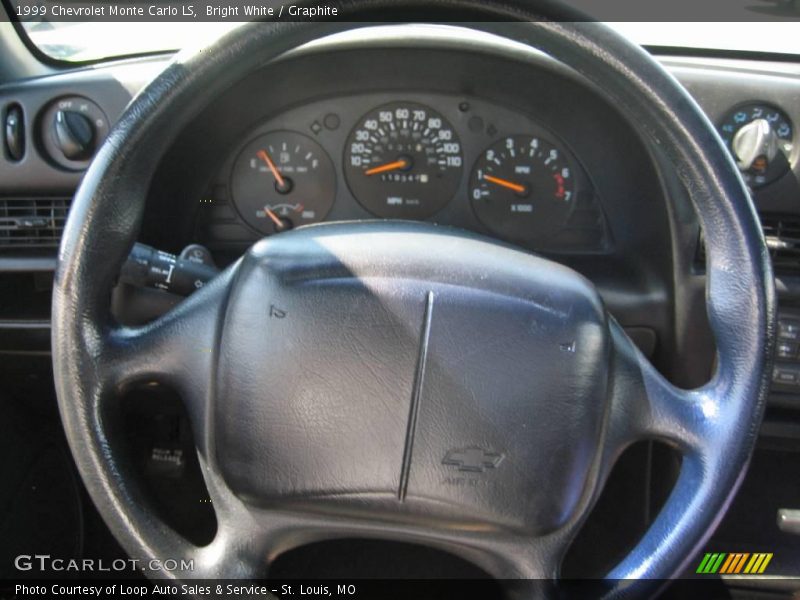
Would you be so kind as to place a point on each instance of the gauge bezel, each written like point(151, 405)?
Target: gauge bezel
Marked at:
point(476, 120)
point(238, 155)
point(577, 176)
point(455, 173)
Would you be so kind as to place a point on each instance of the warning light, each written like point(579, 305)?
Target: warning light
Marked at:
point(760, 164)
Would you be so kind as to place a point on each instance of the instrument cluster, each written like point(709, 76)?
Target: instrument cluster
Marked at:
point(452, 160)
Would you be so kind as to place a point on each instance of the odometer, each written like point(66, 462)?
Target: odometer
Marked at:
point(523, 188)
point(403, 160)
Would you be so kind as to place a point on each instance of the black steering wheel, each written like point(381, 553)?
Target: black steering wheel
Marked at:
point(412, 359)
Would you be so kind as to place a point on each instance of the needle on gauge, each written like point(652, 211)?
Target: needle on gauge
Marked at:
point(395, 165)
point(280, 224)
point(283, 185)
point(516, 187)
point(523, 187)
point(282, 180)
point(403, 160)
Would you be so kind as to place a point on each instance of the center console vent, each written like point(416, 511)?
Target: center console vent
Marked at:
point(32, 223)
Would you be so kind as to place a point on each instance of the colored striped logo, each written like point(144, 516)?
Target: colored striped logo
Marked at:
point(742, 563)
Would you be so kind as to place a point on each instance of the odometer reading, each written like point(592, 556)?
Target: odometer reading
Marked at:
point(522, 188)
point(403, 160)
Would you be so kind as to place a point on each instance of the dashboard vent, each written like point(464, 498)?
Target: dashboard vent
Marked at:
point(28, 223)
point(783, 240)
point(782, 235)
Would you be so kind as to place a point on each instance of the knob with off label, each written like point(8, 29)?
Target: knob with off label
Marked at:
point(73, 128)
point(74, 134)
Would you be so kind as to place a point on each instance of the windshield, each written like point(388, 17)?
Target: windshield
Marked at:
point(97, 40)
point(87, 41)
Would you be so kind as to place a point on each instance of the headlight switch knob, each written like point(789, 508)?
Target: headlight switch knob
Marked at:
point(75, 135)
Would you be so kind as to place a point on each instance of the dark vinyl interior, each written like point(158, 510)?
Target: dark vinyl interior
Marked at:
point(640, 245)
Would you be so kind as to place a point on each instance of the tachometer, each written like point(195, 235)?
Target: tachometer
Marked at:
point(281, 180)
point(523, 187)
point(403, 160)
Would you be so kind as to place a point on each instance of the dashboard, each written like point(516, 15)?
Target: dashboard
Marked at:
point(443, 133)
point(421, 123)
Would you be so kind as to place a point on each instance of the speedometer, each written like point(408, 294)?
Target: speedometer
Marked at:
point(403, 160)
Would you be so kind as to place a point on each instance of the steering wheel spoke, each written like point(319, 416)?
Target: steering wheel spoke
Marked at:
point(644, 405)
point(508, 557)
point(176, 350)
point(250, 537)
point(264, 533)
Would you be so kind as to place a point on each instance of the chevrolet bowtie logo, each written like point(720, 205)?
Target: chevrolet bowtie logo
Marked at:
point(473, 459)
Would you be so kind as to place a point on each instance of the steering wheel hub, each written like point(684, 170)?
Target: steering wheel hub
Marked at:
point(359, 373)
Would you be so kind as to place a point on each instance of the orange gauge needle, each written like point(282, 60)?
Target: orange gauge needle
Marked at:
point(262, 154)
point(520, 189)
point(275, 219)
point(392, 166)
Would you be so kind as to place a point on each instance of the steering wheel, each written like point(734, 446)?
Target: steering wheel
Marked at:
point(402, 381)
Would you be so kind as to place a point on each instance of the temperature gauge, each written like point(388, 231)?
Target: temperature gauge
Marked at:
point(282, 180)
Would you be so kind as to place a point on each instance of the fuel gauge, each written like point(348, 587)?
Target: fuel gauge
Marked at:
point(282, 180)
